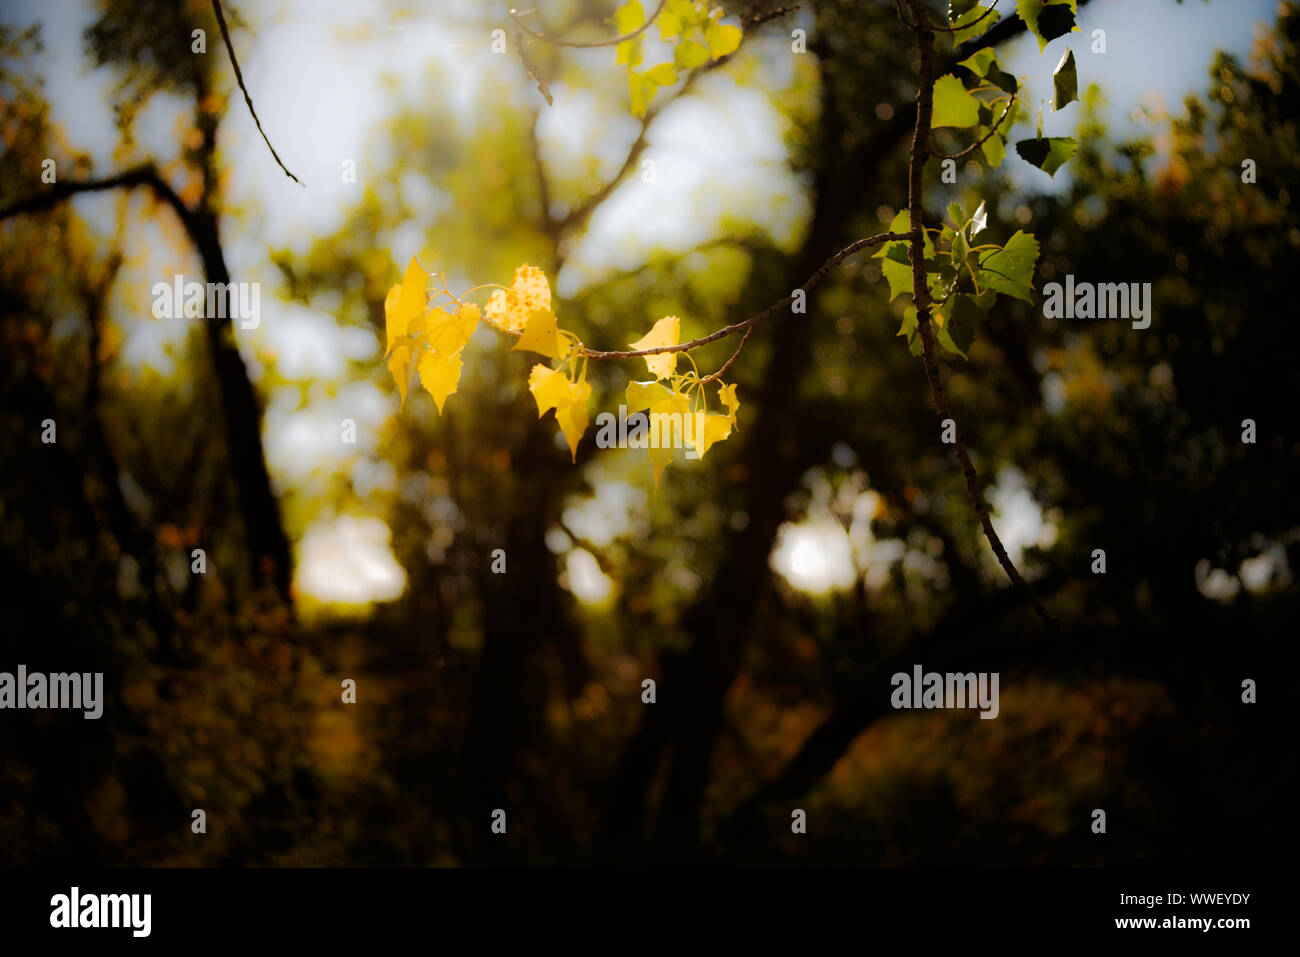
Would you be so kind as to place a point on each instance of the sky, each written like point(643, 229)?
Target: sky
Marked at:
point(321, 73)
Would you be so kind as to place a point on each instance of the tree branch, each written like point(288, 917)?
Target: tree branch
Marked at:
point(612, 41)
point(145, 175)
point(758, 317)
point(982, 140)
point(920, 153)
point(239, 78)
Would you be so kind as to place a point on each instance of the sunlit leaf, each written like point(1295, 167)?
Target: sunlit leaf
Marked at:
point(665, 332)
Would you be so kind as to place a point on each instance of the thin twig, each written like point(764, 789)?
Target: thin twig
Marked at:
point(239, 78)
point(758, 317)
point(982, 140)
point(557, 41)
point(964, 26)
point(920, 293)
point(542, 86)
point(750, 20)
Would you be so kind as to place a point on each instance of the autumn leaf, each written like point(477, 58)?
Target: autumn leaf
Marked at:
point(405, 302)
point(571, 414)
point(665, 332)
point(642, 395)
point(399, 364)
point(549, 387)
point(670, 409)
point(399, 353)
point(727, 393)
point(440, 374)
point(640, 91)
point(509, 309)
point(629, 17)
point(662, 75)
point(541, 335)
point(454, 333)
point(716, 429)
point(553, 390)
point(722, 39)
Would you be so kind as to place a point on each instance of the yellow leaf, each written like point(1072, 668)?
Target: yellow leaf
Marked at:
point(399, 364)
point(659, 460)
point(629, 52)
point(571, 414)
point(509, 309)
point(642, 395)
point(408, 303)
point(665, 332)
point(549, 387)
point(440, 374)
point(629, 17)
point(391, 329)
point(553, 390)
point(662, 75)
point(722, 38)
point(541, 334)
point(447, 334)
point(716, 429)
point(667, 423)
point(728, 395)
point(640, 91)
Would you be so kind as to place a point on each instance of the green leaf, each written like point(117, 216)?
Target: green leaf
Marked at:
point(1065, 81)
point(941, 284)
point(914, 344)
point(956, 215)
point(962, 26)
point(957, 7)
point(901, 223)
point(908, 328)
point(994, 149)
point(899, 276)
point(662, 75)
point(1047, 19)
point(1002, 80)
point(959, 250)
point(945, 340)
point(953, 105)
point(901, 253)
point(1011, 268)
point(688, 54)
point(980, 62)
point(964, 318)
point(1047, 153)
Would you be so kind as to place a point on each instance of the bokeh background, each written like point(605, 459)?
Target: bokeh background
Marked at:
point(772, 589)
